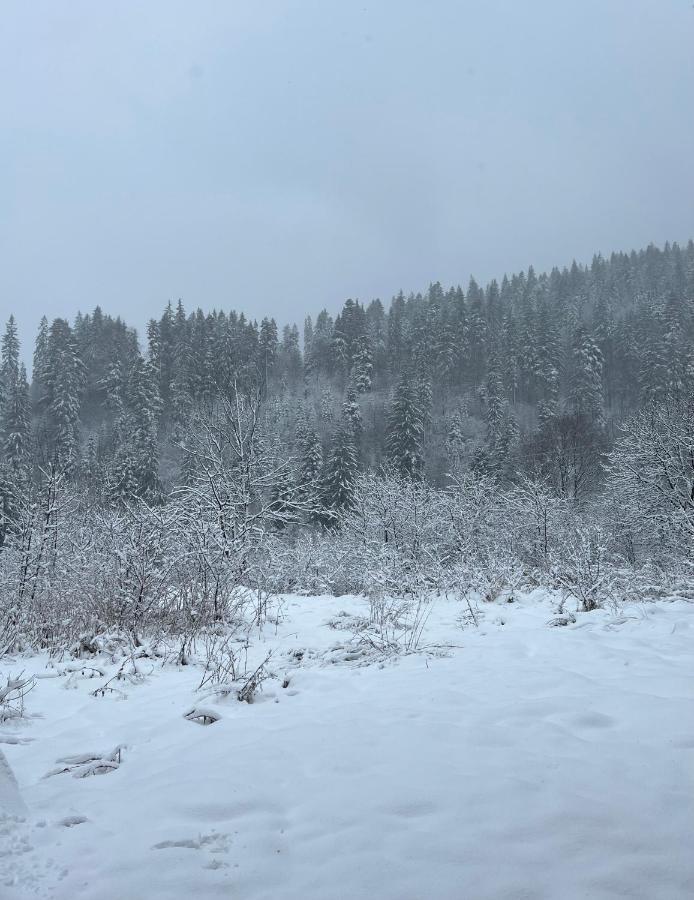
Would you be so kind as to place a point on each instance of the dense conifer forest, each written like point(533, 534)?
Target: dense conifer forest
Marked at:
point(530, 374)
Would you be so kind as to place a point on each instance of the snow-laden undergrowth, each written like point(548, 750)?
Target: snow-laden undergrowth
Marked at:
point(505, 758)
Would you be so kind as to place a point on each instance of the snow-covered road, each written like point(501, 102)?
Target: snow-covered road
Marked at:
point(524, 762)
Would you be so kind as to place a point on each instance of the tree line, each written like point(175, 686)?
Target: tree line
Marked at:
point(529, 374)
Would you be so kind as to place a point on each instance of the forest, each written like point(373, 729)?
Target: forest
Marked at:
point(537, 429)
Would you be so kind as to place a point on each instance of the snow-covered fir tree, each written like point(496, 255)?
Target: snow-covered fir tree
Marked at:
point(405, 436)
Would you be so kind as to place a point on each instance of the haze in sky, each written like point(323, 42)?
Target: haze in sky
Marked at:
point(278, 157)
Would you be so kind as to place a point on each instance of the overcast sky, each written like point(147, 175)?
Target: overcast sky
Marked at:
point(278, 157)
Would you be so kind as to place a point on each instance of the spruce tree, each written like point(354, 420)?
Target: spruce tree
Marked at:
point(311, 461)
point(15, 460)
point(586, 387)
point(38, 386)
point(16, 427)
point(405, 431)
point(136, 468)
point(267, 349)
point(362, 365)
point(501, 431)
point(340, 477)
point(61, 378)
point(351, 414)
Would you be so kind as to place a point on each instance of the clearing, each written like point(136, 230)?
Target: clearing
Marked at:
point(510, 760)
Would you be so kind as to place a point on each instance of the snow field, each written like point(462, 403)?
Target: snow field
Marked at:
point(521, 761)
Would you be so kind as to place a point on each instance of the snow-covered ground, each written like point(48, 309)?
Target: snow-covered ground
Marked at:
point(525, 761)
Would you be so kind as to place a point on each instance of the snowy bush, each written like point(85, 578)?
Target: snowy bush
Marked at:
point(585, 573)
point(12, 696)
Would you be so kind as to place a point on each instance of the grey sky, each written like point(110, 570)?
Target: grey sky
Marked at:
point(277, 157)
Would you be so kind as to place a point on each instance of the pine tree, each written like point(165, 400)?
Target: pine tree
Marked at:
point(136, 469)
point(15, 460)
point(308, 347)
point(114, 386)
point(61, 376)
point(377, 335)
point(586, 387)
point(510, 371)
point(327, 404)
point(456, 439)
point(405, 434)
point(528, 359)
point(677, 343)
point(322, 359)
point(340, 476)
point(311, 461)
point(165, 364)
point(16, 427)
point(362, 365)
point(496, 406)
point(290, 353)
point(501, 430)
point(9, 357)
point(446, 352)
point(548, 356)
point(39, 390)
point(92, 471)
point(351, 414)
point(268, 349)
point(397, 337)
point(143, 400)
point(476, 331)
point(181, 390)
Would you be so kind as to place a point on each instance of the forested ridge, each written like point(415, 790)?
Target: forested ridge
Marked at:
point(499, 378)
point(553, 387)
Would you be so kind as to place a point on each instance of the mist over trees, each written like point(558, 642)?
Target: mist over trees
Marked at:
point(545, 418)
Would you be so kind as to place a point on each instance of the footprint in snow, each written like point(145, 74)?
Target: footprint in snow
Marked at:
point(593, 720)
point(213, 843)
point(71, 821)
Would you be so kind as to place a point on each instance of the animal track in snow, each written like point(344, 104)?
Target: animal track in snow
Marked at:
point(213, 843)
point(71, 821)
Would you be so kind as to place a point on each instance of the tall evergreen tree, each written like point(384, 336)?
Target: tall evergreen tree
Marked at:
point(586, 387)
point(15, 459)
point(137, 459)
point(351, 414)
point(61, 375)
point(340, 476)
point(268, 349)
point(16, 425)
point(405, 435)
